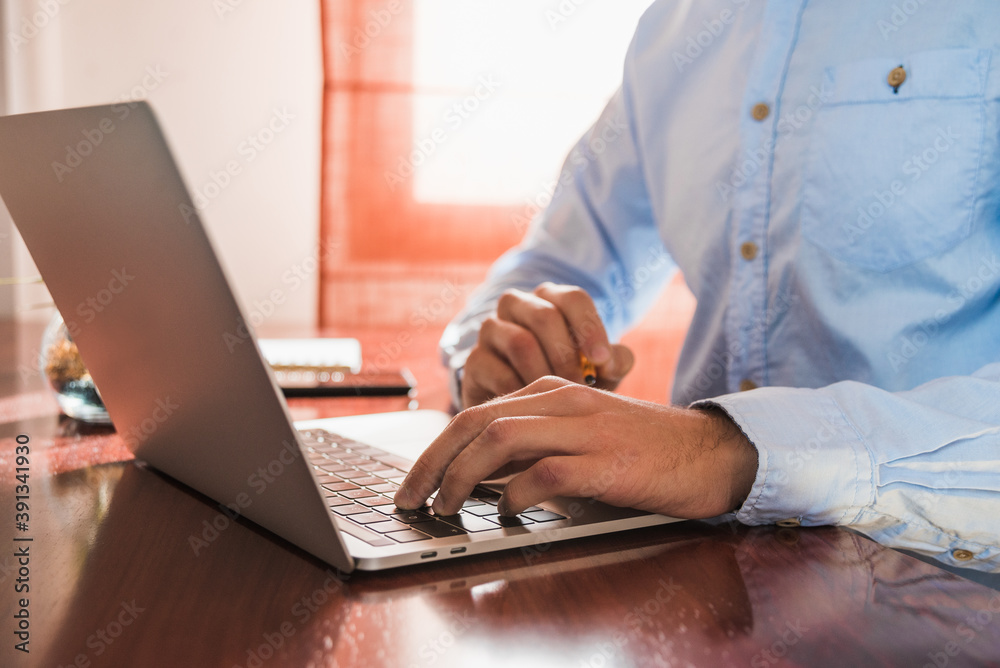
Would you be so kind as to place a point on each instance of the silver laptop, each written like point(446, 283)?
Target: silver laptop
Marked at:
point(105, 214)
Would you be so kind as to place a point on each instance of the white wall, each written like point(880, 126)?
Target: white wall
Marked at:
point(217, 72)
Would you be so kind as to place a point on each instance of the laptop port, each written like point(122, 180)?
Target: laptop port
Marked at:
point(428, 555)
point(457, 550)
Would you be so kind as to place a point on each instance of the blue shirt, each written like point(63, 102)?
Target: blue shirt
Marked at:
point(825, 176)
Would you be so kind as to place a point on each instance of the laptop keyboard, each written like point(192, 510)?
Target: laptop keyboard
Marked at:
point(359, 481)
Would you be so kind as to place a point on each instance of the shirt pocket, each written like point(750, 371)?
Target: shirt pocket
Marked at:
point(891, 176)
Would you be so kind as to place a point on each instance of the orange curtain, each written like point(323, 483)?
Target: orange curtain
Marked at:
point(390, 259)
point(386, 255)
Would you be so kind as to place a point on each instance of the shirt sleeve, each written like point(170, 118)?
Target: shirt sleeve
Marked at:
point(598, 233)
point(918, 470)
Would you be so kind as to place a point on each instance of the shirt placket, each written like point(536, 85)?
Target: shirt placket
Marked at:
point(746, 321)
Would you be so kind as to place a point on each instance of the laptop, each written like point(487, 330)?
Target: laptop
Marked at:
point(105, 214)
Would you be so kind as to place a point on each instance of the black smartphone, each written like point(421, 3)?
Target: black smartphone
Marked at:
point(333, 382)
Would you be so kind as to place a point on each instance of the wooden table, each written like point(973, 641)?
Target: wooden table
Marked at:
point(114, 580)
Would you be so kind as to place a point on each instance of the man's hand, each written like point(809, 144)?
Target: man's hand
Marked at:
point(540, 334)
point(563, 439)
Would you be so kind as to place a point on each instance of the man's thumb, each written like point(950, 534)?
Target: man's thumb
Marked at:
point(611, 373)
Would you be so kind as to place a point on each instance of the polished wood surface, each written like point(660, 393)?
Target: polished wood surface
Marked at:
point(116, 581)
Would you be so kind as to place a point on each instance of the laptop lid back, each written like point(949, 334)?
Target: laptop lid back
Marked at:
point(105, 215)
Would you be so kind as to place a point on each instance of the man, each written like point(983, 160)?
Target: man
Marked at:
point(824, 175)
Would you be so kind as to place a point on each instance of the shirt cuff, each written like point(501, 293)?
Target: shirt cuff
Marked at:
point(813, 466)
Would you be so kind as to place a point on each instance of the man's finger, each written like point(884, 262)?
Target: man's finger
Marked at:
point(518, 346)
point(503, 441)
point(622, 361)
point(486, 376)
point(429, 469)
point(582, 318)
point(544, 319)
point(546, 479)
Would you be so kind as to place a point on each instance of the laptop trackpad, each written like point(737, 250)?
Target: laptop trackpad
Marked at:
point(403, 433)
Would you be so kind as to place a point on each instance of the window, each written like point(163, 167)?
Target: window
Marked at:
point(445, 125)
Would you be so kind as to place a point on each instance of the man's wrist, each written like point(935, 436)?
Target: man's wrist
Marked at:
point(736, 451)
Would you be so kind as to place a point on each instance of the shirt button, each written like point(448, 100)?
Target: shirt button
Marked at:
point(897, 77)
point(962, 555)
point(790, 522)
point(749, 251)
point(760, 111)
point(747, 385)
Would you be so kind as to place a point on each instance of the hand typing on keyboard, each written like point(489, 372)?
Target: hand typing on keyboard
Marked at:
point(357, 481)
point(564, 439)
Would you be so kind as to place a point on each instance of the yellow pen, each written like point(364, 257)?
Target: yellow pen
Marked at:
point(588, 369)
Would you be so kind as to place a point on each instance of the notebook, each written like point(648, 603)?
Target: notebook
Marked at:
point(97, 196)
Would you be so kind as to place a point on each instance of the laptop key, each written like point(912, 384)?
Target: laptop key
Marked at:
point(377, 500)
point(395, 461)
point(509, 521)
point(388, 526)
point(470, 523)
point(357, 494)
point(368, 481)
point(339, 486)
point(439, 529)
point(350, 475)
point(336, 501)
point(383, 488)
point(482, 510)
point(483, 494)
point(408, 536)
point(363, 533)
point(543, 515)
point(324, 477)
point(353, 509)
point(410, 516)
point(369, 517)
